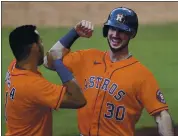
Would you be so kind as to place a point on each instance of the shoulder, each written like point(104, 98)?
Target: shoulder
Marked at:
point(36, 85)
point(37, 81)
point(142, 70)
point(86, 53)
point(92, 53)
point(89, 51)
point(12, 64)
point(40, 86)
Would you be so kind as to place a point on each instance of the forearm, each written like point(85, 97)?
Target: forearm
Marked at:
point(66, 41)
point(165, 125)
point(75, 92)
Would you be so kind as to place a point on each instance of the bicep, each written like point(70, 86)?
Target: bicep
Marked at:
point(68, 101)
point(74, 60)
point(151, 96)
point(73, 97)
point(71, 61)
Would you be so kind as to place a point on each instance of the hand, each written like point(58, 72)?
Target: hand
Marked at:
point(49, 59)
point(54, 54)
point(84, 28)
point(51, 55)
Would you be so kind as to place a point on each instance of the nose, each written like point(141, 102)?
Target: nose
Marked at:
point(116, 32)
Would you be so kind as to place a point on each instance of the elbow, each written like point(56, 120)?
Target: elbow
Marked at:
point(82, 103)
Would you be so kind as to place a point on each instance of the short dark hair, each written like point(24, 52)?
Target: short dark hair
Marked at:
point(21, 39)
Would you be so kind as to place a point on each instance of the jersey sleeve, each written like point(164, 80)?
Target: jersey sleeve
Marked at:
point(74, 60)
point(47, 94)
point(77, 61)
point(151, 96)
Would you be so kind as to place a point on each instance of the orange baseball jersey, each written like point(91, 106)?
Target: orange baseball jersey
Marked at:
point(116, 93)
point(29, 103)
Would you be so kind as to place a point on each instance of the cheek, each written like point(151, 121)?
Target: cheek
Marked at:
point(110, 36)
point(124, 37)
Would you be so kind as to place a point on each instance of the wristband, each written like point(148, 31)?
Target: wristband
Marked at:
point(69, 38)
point(62, 71)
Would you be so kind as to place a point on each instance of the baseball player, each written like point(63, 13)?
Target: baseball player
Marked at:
point(29, 97)
point(116, 85)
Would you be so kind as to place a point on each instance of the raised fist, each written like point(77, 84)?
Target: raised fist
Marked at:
point(84, 28)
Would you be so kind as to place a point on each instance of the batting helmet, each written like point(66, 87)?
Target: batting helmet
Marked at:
point(124, 19)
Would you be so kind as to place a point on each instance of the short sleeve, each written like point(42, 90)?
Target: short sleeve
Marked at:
point(151, 96)
point(77, 61)
point(47, 94)
point(74, 60)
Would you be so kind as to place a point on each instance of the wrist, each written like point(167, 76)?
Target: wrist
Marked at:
point(69, 38)
point(62, 71)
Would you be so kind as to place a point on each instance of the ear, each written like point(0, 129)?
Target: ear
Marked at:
point(35, 47)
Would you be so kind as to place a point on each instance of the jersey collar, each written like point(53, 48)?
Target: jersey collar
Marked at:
point(15, 71)
point(129, 61)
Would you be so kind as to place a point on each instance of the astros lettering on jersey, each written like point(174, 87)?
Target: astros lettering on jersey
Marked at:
point(116, 93)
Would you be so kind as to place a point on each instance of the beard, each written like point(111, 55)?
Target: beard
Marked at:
point(122, 47)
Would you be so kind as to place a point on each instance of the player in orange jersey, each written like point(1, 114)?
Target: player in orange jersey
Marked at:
point(30, 98)
point(116, 85)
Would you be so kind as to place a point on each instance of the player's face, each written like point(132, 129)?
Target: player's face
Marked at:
point(41, 52)
point(117, 39)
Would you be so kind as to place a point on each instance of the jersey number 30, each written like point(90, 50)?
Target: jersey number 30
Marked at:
point(116, 112)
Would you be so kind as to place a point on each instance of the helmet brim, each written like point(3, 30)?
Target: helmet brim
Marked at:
point(120, 26)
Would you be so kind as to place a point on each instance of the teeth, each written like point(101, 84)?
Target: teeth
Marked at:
point(116, 40)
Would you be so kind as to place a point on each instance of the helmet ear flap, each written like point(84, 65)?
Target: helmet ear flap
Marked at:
point(105, 31)
point(133, 34)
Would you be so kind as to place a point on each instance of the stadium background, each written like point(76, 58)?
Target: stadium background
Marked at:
point(156, 45)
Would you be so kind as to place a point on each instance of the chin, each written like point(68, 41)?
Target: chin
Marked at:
point(116, 46)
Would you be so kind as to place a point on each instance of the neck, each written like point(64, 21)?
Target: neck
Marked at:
point(27, 65)
point(119, 55)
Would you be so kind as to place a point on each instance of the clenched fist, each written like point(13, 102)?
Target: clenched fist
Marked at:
point(54, 54)
point(84, 29)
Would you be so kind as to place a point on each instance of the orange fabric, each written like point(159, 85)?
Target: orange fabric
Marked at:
point(29, 102)
point(116, 93)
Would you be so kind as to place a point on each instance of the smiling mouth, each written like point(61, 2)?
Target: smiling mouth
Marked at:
point(116, 41)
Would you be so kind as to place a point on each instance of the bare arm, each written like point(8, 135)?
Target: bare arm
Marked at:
point(82, 29)
point(73, 97)
point(164, 122)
